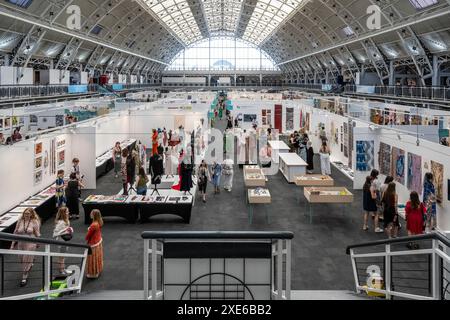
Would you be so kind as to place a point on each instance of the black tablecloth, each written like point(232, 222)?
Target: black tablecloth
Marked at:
point(132, 212)
point(127, 211)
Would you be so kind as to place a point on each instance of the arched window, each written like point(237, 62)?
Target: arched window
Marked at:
point(222, 53)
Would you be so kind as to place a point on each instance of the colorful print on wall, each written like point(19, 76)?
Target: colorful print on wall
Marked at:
point(384, 159)
point(38, 177)
point(53, 157)
point(38, 163)
point(398, 165)
point(307, 120)
point(437, 170)
point(38, 148)
point(61, 142)
point(365, 155)
point(414, 173)
point(345, 139)
point(61, 158)
point(289, 119)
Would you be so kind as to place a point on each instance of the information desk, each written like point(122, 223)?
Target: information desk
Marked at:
point(256, 197)
point(320, 195)
point(292, 166)
point(278, 147)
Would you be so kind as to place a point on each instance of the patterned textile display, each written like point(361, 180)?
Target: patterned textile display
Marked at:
point(364, 155)
point(398, 165)
point(437, 170)
point(414, 182)
point(384, 159)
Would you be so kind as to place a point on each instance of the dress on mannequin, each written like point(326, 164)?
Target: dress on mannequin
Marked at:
point(169, 162)
point(156, 168)
point(154, 142)
point(165, 140)
point(186, 176)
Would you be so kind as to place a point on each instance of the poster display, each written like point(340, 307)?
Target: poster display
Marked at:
point(351, 125)
point(365, 155)
point(61, 158)
point(267, 117)
point(38, 177)
point(384, 159)
point(289, 119)
point(437, 170)
point(345, 139)
point(414, 173)
point(53, 157)
point(398, 165)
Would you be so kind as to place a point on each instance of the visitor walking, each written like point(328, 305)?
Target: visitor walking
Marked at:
point(370, 204)
point(227, 173)
point(117, 158)
point(415, 215)
point(94, 265)
point(375, 187)
point(216, 174)
point(203, 178)
point(72, 196)
point(29, 225)
point(123, 171)
point(62, 232)
point(389, 201)
point(429, 200)
point(325, 159)
point(309, 157)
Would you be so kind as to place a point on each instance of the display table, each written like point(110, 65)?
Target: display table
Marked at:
point(252, 169)
point(175, 203)
point(320, 195)
point(292, 166)
point(278, 147)
point(313, 180)
point(258, 196)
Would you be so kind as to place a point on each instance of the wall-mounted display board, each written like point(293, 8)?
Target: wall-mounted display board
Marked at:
point(384, 159)
point(414, 182)
point(437, 170)
point(398, 165)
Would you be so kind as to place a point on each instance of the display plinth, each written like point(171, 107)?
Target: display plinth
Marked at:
point(255, 179)
point(314, 180)
point(259, 196)
point(292, 166)
point(328, 195)
point(278, 147)
point(252, 169)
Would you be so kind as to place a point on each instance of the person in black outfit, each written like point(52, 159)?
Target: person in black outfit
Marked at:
point(186, 177)
point(310, 157)
point(156, 168)
point(131, 169)
point(72, 194)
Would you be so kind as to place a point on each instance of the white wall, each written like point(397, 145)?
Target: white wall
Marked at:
point(83, 147)
point(7, 76)
point(109, 130)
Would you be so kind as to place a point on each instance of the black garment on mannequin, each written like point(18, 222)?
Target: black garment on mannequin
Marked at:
point(186, 177)
point(156, 168)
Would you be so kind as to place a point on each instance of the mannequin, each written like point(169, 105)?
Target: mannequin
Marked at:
point(154, 142)
point(165, 140)
point(156, 169)
point(169, 161)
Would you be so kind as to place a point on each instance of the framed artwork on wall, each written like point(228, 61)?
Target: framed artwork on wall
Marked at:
point(384, 159)
point(61, 158)
point(414, 182)
point(38, 148)
point(38, 177)
point(38, 163)
point(364, 155)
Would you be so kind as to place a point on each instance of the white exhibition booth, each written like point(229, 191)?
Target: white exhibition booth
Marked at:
point(29, 166)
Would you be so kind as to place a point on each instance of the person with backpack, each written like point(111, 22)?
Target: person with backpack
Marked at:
point(415, 212)
point(390, 205)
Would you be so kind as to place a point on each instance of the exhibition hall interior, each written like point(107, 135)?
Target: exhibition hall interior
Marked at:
point(224, 150)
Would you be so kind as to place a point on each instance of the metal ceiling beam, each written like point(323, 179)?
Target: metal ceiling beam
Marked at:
point(398, 26)
point(44, 24)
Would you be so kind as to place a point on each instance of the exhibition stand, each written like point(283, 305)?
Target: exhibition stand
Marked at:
point(258, 196)
point(326, 195)
point(278, 147)
point(291, 166)
point(313, 180)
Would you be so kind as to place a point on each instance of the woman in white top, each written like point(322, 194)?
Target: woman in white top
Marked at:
point(62, 232)
point(325, 159)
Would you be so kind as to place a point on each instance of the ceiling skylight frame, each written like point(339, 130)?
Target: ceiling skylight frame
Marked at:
point(267, 16)
point(222, 16)
point(178, 17)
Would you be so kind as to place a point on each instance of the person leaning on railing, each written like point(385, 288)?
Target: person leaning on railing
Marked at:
point(28, 224)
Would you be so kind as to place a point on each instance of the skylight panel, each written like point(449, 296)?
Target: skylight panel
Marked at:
point(222, 15)
point(267, 16)
point(422, 4)
point(178, 17)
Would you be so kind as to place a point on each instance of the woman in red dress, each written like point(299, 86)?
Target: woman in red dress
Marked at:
point(415, 212)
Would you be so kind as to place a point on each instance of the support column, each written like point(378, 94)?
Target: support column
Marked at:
point(391, 73)
point(436, 80)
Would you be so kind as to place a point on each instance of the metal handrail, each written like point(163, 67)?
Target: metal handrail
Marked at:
point(217, 235)
point(429, 236)
point(19, 238)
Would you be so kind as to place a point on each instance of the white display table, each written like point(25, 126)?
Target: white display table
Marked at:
point(291, 166)
point(278, 147)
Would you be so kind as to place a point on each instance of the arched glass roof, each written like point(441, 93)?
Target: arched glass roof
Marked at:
point(222, 53)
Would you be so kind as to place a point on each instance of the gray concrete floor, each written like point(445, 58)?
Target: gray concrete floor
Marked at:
point(319, 261)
